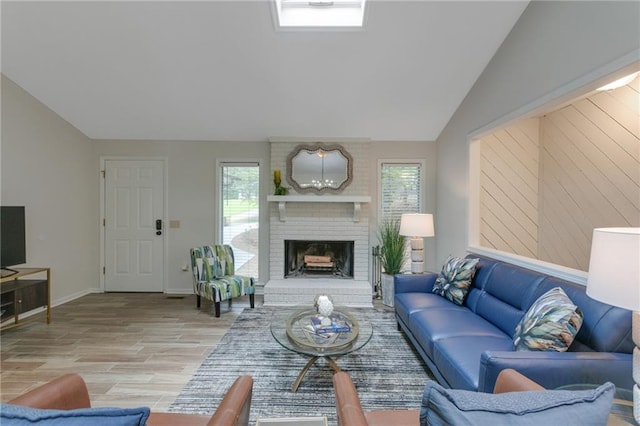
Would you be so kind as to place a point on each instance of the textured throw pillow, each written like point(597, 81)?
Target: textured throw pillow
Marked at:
point(455, 278)
point(550, 324)
point(17, 415)
point(551, 407)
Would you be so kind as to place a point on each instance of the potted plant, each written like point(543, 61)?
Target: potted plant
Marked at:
point(392, 257)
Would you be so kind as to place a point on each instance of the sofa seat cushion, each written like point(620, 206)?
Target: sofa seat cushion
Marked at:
point(431, 325)
point(224, 288)
point(237, 285)
point(409, 303)
point(458, 358)
point(458, 407)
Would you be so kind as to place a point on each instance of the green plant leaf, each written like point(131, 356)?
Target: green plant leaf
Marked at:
point(392, 254)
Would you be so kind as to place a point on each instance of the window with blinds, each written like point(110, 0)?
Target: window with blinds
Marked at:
point(400, 189)
point(240, 205)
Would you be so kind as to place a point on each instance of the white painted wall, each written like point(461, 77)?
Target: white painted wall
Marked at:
point(555, 48)
point(53, 169)
point(193, 196)
point(47, 167)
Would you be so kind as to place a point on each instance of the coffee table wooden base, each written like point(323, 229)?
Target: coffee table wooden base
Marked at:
point(303, 372)
point(293, 330)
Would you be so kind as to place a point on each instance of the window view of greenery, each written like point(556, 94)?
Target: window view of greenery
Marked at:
point(240, 206)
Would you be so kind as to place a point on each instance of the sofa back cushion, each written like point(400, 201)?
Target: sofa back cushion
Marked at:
point(225, 260)
point(212, 266)
point(502, 293)
point(212, 262)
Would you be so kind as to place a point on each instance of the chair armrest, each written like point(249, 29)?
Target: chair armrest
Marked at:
point(414, 283)
point(67, 392)
point(348, 405)
point(554, 369)
point(235, 406)
point(509, 380)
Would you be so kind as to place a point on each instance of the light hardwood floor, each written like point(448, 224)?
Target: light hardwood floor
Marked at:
point(132, 349)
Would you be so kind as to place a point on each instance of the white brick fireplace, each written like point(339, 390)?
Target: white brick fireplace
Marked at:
point(318, 218)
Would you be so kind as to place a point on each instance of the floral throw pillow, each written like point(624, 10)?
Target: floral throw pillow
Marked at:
point(550, 324)
point(455, 278)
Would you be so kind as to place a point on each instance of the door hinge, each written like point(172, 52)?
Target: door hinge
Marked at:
point(104, 222)
point(103, 173)
point(104, 271)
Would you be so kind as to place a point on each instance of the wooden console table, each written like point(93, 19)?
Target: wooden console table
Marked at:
point(19, 295)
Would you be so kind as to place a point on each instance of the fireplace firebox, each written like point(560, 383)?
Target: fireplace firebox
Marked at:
point(325, 259)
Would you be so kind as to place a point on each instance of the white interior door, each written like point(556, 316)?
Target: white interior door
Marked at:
point(134, 240)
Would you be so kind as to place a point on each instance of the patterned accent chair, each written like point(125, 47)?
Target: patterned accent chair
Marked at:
point(214, 276)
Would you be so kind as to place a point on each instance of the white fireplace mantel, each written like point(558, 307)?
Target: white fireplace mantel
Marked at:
point(282, 201)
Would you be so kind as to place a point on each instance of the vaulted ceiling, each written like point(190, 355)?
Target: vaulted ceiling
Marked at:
point(221, 71)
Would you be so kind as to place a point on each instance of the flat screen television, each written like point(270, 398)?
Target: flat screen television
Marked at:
point(12, 237)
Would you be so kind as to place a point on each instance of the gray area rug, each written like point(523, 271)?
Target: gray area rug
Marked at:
point(387, 372)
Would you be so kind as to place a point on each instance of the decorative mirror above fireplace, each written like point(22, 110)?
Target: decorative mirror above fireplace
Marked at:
point(319, 168)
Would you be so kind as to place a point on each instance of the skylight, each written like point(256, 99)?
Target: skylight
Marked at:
point(320, 13)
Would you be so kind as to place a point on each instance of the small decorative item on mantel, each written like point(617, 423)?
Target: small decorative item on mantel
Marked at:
point(324, 307)
point(277, 181)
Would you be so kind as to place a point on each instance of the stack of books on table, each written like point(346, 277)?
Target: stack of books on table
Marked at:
point(338, 325)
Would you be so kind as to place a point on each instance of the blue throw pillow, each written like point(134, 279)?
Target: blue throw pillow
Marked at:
point(442, 406)
point(18, 415)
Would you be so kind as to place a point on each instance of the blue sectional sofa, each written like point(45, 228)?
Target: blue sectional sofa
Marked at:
point(467, 346)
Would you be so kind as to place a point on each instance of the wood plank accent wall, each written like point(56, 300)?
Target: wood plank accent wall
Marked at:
point(547, 182)
point(509, 189)
point(590, 173)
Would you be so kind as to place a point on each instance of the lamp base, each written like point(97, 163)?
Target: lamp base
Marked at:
point(417, 267)
point(417, 255)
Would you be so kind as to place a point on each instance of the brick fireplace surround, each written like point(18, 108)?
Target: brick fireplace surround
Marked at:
point(322, 218)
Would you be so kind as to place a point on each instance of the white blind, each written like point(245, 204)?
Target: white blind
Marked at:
point(401, 189)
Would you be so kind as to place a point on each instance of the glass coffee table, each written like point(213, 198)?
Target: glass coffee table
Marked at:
point(297, 330)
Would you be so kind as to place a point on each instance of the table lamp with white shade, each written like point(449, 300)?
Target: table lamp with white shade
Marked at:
point(614, 278)
point(417, 226)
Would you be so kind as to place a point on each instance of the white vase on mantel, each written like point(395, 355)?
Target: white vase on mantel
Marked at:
point(388, 289)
